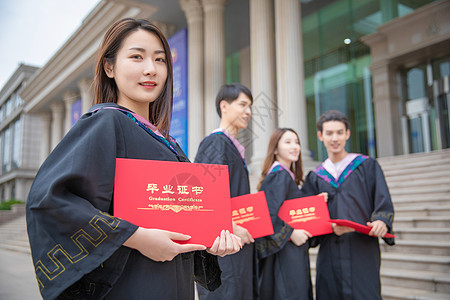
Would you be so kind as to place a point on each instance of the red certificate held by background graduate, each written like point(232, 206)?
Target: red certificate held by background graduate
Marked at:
point(189, 198)
point(308, 213)
point(358, 227)
point(251, 212)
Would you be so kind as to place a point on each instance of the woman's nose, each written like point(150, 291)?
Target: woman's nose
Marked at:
point(150, 68)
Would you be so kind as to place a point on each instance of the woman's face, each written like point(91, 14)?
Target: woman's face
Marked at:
point(288, 149)
point(140, 70)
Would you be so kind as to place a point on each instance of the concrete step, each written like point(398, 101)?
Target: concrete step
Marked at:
point(400, 160)
point(424, 280)
point(420, 199)
point(431, 180)
point(440, 171)
point(422, 210)
point(418, 165)
point(414, 262)
point(418, 177)
point(439, 248)
point(422, 234)
point(418, 190)
point(399, 293)
point(408, 188)
point(17, 211)
point(422, 222)
point(13, 235)
point(16, 248)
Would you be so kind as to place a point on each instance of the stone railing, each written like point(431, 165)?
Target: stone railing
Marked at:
point(17, 210)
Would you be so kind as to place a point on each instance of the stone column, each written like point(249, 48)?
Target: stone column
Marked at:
point(57, 122)
point(290, 74)
point(46, 118)
point(262, 50)
point(69, 99)
point(21, 190)
point(167, 29)
point(86, 91)
point(386, 107)
point(194, 16)
point(214, 58)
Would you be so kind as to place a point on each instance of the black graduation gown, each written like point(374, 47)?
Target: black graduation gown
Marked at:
point(348, 267)
point(76, 243)
point(237, 269)
point(284, 267)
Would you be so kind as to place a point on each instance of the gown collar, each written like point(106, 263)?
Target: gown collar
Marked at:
point(336, 169)
point(323, 173)
point(239, 147)
point(277, 166)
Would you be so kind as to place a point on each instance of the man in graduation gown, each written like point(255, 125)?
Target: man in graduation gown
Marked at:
point(233, 104)
point(348, 262)
point(75, 240)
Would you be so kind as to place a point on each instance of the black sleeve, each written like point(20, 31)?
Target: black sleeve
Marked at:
point(70, 228)
point(276, 189)
point(207, 270)
point(213, 150)
point(383, 207)
point(309, 186)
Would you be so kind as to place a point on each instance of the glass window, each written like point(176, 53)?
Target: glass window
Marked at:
point(233, 71)
point(6, 150)
point(416, 82)
point(441, 68)
point(13, 190)
point(336, 63)
point(17, 100)
point(17, 141)
point(8, 106)
point(1, 147)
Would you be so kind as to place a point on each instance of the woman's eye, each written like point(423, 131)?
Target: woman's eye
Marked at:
point(161, 59)
point(137, 56)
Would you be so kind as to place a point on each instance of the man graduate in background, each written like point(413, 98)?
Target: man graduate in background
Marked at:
point(348, 263)
point(233, 104)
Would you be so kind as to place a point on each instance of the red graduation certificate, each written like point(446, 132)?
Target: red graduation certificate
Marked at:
point(251, 212)
point(308, 213)
point(358, 227)
point(189, 198)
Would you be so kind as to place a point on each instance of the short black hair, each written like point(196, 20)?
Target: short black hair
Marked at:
point(332, 115)
point(229, 93)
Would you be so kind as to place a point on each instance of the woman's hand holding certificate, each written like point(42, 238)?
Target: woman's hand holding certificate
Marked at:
point(225, 244)
point(159, 245)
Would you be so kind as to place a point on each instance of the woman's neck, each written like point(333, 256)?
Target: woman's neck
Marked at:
point(142, 109)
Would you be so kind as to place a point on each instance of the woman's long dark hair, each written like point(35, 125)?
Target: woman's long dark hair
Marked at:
point(296, 167)
point(105, 88)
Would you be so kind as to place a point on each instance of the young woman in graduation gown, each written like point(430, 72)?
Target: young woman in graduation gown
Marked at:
point(284, 258)
point(79, 250)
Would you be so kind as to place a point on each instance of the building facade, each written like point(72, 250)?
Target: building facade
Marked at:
point(365, 58)
point(19, 138)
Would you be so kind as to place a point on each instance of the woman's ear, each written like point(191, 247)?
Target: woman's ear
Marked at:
point(109, 69)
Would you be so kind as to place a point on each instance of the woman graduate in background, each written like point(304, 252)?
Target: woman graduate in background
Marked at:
point(80, 251)
point(284, 257)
